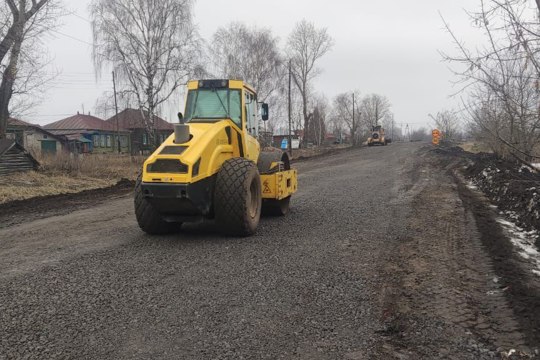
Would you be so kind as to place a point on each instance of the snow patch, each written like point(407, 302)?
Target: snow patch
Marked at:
point(524, 241)
point(471, 186)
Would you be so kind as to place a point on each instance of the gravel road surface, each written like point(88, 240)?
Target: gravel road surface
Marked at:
point(378, 259)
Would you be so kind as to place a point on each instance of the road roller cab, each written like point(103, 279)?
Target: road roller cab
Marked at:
point(377, 136)
point(212, 166)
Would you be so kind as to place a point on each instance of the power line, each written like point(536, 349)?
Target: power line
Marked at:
point(81, 17)
point(69, 76)
point(71, 37)
point(78, 73)
point(84, 83)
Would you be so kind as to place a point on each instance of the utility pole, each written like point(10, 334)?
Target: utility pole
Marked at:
point(116, 111)
point(290, 108)
point(353, 127)
point(392, 129)
point(408, 132)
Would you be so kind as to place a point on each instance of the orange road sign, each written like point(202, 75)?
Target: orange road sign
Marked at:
point(436, 136)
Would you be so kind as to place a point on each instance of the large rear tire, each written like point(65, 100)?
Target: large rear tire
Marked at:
point(149, 220)
point(238, 197)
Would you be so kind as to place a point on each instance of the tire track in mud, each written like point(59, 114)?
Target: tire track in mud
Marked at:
point(446, 301)
point(518, 286)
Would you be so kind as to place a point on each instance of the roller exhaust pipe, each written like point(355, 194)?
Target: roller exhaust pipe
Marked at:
point(181, 133)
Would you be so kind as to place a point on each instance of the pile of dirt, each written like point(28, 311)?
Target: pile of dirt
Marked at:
point(514, 188)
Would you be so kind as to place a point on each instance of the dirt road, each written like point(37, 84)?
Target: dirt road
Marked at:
point(380, 258)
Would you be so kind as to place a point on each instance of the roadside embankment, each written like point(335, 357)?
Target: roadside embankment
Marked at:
point(512, 187)
point(17, 211)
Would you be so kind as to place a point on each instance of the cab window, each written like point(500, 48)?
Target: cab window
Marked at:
point(211, 105)
point(251, 113)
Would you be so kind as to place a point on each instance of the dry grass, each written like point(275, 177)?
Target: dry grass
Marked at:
point(106, 167)
point(67, 173)
point(475, 147)
point(30, 184)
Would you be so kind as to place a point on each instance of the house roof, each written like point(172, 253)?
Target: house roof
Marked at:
point(18, 122)
point(80, 122)
point(23, 124)
point(130, 119)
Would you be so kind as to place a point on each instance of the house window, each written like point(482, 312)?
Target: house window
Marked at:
point(102, 140)
point(145, 139)
point(123, 141)
point(109, 141)
point(96, 140)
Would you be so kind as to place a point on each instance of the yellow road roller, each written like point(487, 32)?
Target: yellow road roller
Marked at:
point(212, 166)
point(377, 136)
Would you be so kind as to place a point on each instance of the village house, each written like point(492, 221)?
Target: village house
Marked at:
point(90, 134)
point(131, 120)
point(33, 137)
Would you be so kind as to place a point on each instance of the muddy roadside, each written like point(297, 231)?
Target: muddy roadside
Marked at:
point(512, 187)
point(19, 211)
point(311, 154)
point(456, 287)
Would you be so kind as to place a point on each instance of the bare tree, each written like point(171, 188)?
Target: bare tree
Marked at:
point(305, 46)
point(343, 112)
point(251, 54)
point(105, 106)
point(297, 118)
point(336, 125)
point(21, 12)
point(374, 108)
point(318, 117)
point(502, 78)
point(389, 125)
point(152, 45)
point(20, 21)
point(420, 134)
point(447, 122)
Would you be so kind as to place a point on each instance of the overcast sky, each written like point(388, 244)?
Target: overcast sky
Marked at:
point(386, 47)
